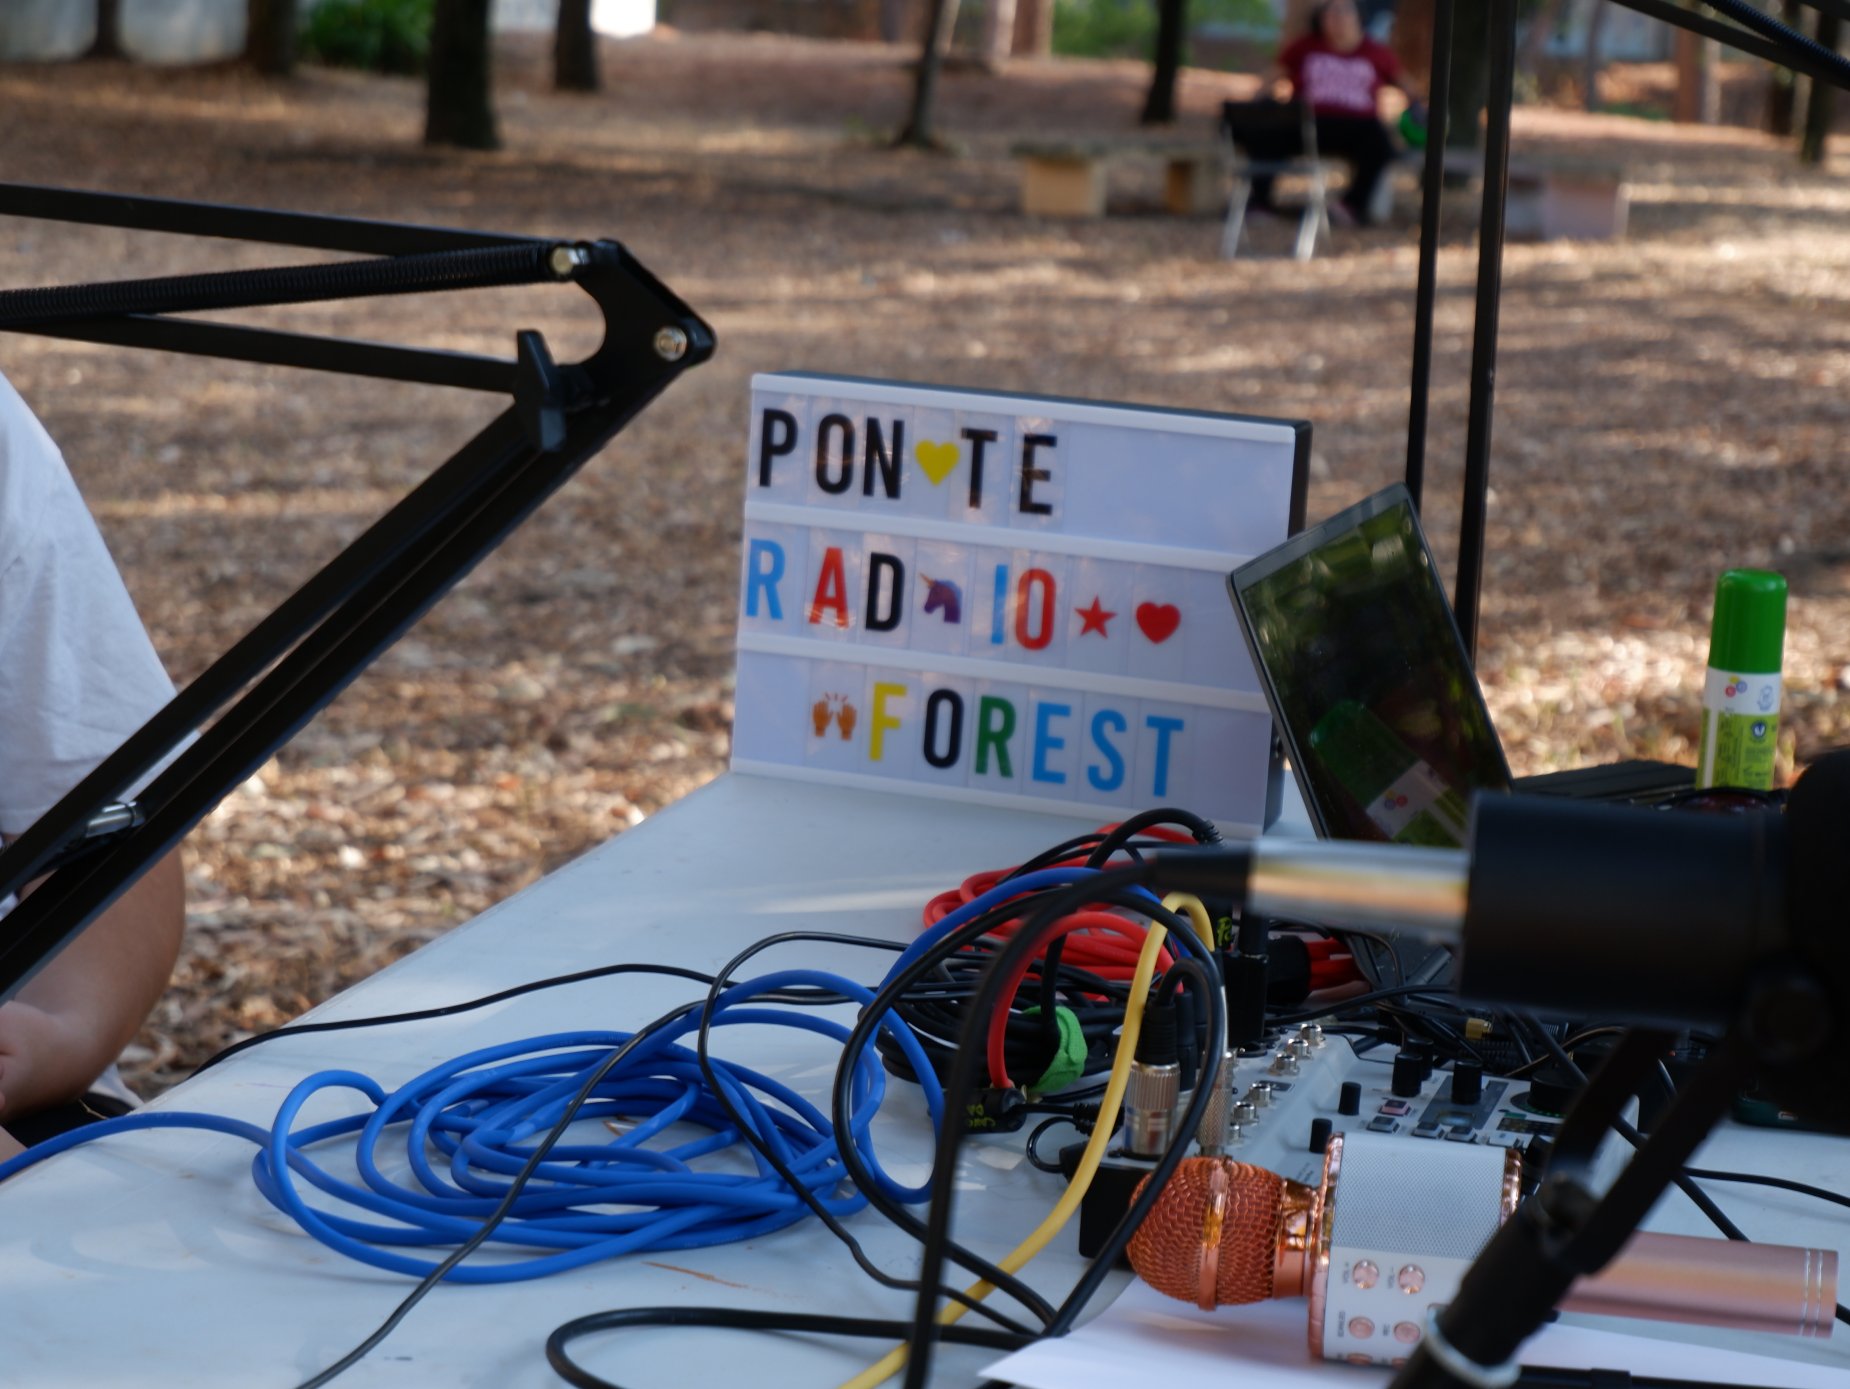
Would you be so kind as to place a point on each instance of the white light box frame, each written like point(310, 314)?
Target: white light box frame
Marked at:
point(1012, 599)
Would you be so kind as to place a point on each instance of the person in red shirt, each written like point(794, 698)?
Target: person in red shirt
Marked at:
point(1339, 72)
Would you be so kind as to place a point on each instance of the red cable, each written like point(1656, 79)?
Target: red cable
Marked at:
point(1107, 922)
point(1108, 944)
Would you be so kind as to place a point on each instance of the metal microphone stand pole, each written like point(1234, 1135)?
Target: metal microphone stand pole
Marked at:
point(1567, 1230)
point(1783, 1025)
point(1792, 1019)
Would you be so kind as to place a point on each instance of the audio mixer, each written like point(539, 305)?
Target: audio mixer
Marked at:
point(1287, 1098)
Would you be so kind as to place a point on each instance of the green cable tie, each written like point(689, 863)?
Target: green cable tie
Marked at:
point(1069, 1061)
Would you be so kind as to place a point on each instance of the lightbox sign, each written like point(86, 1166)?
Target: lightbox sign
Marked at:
point(1013, 599)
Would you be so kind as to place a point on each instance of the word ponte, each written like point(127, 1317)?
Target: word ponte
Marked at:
point(1006, 598)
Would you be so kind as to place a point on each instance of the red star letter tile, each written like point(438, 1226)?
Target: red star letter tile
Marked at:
point(1094, 618)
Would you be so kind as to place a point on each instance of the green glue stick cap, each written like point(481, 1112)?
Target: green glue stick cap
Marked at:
point(1749, 632)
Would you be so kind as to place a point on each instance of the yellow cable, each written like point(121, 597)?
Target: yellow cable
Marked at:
point(894, 1360)
point(1197, 914)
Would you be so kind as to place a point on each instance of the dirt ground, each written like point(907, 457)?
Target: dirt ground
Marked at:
point(1667, 406)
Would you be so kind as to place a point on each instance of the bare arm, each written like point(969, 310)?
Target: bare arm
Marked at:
point(71, 1021)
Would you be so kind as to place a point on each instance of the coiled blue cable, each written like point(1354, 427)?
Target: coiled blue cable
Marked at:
point(471, 1124)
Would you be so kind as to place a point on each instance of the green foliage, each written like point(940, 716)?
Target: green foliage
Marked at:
point(1127, 28)
point(1104, 28)
point(375, 35)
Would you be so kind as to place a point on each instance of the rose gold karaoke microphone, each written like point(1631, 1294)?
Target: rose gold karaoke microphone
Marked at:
point(1408, 1224)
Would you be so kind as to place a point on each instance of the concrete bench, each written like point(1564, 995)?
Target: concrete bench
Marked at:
point(1567, 201)
point(1549, 199)
point(1066, 178)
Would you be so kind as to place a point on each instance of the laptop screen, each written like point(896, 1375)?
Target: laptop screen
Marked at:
point(1367, 677)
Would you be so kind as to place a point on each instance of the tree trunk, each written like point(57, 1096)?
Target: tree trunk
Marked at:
point(1159, 107)
point(1783, 90)
point(1697, 102)
point(1034, 28)
point(998, 34)
point(108, 40)
point(269, 36)
point(1534, 47)
point(940, 19)
point(1470, 74)
point(1596, 31)
point(460, 106)
point(574, 48)
point(1412, 41)
point(1821, 105)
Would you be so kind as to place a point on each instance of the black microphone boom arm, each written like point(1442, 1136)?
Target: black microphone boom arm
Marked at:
point(293, 662)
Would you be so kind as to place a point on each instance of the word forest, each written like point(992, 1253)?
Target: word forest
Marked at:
point(1010, 599)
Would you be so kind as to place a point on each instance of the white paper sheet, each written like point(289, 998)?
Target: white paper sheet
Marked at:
point(1146, 1338)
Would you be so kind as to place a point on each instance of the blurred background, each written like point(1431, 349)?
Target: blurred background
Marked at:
point(835, 193)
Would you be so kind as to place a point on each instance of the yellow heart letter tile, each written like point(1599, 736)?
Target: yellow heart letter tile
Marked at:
point(935, 460)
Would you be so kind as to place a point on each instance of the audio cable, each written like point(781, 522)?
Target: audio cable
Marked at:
point(467, 1127)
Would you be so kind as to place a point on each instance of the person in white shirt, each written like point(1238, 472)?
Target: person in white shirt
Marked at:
point(78, 675)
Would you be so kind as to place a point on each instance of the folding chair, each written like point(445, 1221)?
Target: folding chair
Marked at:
point(1270, 139)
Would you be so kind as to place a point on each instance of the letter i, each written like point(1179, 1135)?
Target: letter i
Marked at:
point(998, 622)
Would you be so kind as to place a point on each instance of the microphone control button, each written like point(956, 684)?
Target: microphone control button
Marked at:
point(1409, 1074)
point(1320, 1130)
point(1410, 1279)
point(1364, 1274)
point(1361, 1328)
point(1407, 1332)
point(1467, 1082)
point(1349, 1101)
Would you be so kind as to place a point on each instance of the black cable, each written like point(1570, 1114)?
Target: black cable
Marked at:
point(1060, 853)
point(1203, 831)
point(1631, 1135)
point(1035, 1159)
point(1442, 1034)
point(1576, 1040)
point(810, 996)
point(1110, 885)
point(1346, 1005)
point(1069, 851)
point(1111, 1253)
point(842, 1137)
point(1709, 1174)
point(738, 1319)
point(500, 1212)
point(892, 990)
point(1194, 1060)
point(934, 1009)
point(895, 988)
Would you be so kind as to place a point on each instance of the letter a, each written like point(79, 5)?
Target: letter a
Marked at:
point(831, 591)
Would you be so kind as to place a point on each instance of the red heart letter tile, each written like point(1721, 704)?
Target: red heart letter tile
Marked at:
point(1158, 621)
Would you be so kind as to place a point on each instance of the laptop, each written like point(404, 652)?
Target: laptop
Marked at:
point(1371, 689)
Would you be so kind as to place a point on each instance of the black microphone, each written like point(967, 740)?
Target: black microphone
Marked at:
point(1663, 917)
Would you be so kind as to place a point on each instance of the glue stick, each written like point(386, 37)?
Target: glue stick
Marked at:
point(1740, 697)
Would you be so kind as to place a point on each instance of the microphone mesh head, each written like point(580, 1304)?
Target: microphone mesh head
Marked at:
point(1174, 1241)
